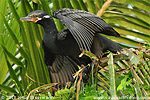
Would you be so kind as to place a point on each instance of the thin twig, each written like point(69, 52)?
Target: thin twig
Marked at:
point(78, 85)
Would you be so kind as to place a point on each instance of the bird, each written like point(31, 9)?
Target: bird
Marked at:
point(62, 48)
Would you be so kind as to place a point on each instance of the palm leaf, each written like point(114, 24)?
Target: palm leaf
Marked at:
point(128, 17)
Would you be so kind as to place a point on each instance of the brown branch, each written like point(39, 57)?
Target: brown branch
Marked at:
point(104, 7)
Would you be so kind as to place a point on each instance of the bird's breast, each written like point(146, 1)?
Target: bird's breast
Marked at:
point(67, 46)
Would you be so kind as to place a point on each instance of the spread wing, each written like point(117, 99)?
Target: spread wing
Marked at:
point(83, 25)
point(61, 68)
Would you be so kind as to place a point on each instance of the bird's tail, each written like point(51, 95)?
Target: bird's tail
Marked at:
point(62, 69)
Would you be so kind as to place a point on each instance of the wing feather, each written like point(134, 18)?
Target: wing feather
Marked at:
point(83, 26)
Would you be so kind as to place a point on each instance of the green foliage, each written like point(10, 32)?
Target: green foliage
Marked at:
point(21, 53)
point(112, 76)
point(129, 19)
point(63, 94)
point(89, 93)
point(124, 82)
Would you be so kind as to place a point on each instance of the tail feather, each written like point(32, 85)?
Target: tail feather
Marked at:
point(62, 69)
point(64, 77)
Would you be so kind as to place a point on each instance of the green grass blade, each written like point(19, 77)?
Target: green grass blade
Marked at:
point(14, 77)
point(144, 5)
point(75, 4)
point(112, 77)
point(3, 65)
point(91, 6)
point(8, 89)
point(82, 5)
point(61, 3)
point(138, 91)
point(36, 61)
point(10, 30)
point(56, 7)
point(126, 31)
point(45, 6)
point(8, 81)
point(99, 3)
point(145, 17)
point(68, 4)
point(13, 9)
point(13, 58)
point(129, 17)
point(127, 23)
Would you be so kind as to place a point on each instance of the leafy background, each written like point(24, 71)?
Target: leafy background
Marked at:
point(22, 68)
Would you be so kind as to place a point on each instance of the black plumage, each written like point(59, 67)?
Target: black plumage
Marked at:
point(62, 48)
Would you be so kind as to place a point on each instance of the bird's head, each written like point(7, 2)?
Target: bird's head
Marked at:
point(36, 16)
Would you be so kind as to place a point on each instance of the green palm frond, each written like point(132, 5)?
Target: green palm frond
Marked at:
point(22, 64)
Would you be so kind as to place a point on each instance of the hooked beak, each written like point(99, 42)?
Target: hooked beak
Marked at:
point(29, 19)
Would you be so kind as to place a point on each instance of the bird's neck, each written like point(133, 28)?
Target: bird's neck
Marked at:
point(49, 26)
point(50, 32)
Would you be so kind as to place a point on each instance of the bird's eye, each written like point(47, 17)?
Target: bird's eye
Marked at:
point(34, 16)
